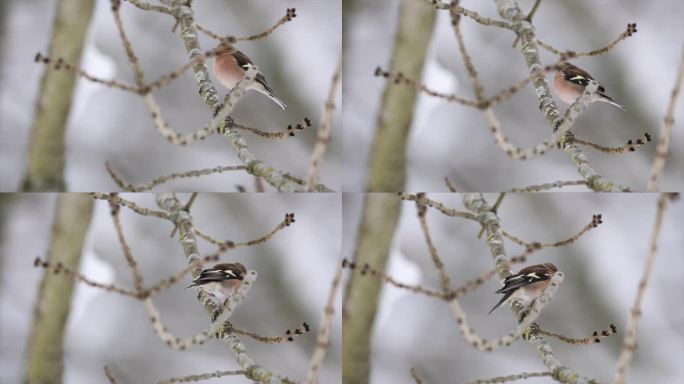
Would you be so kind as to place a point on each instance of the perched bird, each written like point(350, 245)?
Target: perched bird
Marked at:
point(527, 284)
point(220, 281)
point(570, 82)
point(229, 66)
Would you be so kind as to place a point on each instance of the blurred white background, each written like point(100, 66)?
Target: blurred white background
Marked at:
point(602, 272)
point(295, 270)
point(451, 140)
point(111, 125)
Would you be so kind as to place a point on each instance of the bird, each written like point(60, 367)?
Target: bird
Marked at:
point(570, 81)
point(229, 66)
point(527, 284)
point(221, 280)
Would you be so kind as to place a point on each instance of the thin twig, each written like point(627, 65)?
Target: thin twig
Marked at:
point(631, 29)
point(290, 334)
point(631, 145)
point(471, 14)
point(665, 135)
point(368, 270)
point(290, 131)
point(324, 135)
point(629, 341)
point(110, 375)
point(162, 179)
point(438, 206)
point(475, 81)
point(444, 280)
point(60, 268)
point(290, 14)
point(325, 329)
point(593, 339)
point(149, 7)
point(596, 220)
point(132, 206)
point(503, 379)
point(289, 219)
point(203, 376)
point(399, 78)
point(547, 186)
point(414, 375)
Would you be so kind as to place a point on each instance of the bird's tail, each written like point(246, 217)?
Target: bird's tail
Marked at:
point(266, 90)
point(504, 298)
point(609, 100)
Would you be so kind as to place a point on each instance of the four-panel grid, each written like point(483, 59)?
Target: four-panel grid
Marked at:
point(341, 191)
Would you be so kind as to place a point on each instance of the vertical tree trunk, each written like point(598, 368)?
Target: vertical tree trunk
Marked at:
point(44, 361)
point(388, 152)
point(376, 231)
point(45, 168)
point(387, 173)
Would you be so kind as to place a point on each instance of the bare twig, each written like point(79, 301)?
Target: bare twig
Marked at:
point(110, 375)
point(149, 7)
point(290, 131)
point(503, 379)
point(593, 339)
point(162, 179)
point(399, 78)
point(60, 268)
point(132, 206)
point(290, 14)
point(546, 186)
point(414, 375)
point(631, 145)
point(366, 269)
point(324, 135)
point(450, 185)
point(290, 334)
point(468, 13)
point(289, 219)
point(596, 220)
point(444, 280)
point(478, 88)
point(629, 341)
point(125, 248)
point(61, 64)
point(324, 330)
point(631, 29)
point(203, 376)
point(665, 135)
point(438, 206)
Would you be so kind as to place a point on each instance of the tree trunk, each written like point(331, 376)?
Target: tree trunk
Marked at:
point(44, 361)
point(45, 168)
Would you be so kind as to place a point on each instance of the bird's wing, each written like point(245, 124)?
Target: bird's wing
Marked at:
point(513, 282)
